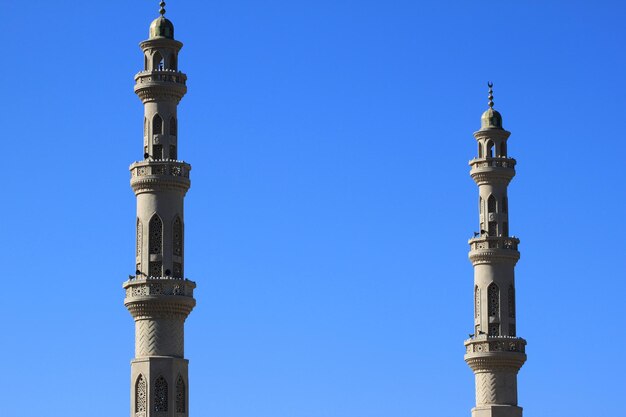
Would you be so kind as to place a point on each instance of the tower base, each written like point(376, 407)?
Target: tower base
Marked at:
point(497, 411)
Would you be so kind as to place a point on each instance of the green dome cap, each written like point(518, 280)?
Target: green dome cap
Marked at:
point(161, 28)
point(491, 119)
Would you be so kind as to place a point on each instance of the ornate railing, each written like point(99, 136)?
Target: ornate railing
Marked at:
point(137, 287)
point(494, 242)
point(500, 162)
point(486, 344)
point(160, 167)
point(160, 76)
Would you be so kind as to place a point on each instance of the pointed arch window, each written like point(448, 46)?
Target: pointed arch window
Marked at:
point(480, 203)
point(178, 236)
point(491, 204)
point(511, 301)
point(181, 405)
point(139, 237)
point(155, 244)
point(157, 61)
point(157, 125)
point(156, 234)
point(141, 395)
point(493, 300)
point(489, 149)
point(160, 394)
point(476, 302)
point(173, 126)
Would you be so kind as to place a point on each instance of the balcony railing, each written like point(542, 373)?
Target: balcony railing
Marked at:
point(494, 242)
point(161, 76)
point(485, 344)
point(160, 167)
point(499, 162)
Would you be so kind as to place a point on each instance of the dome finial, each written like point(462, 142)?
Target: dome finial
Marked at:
point(491, 119)
point(162, 11)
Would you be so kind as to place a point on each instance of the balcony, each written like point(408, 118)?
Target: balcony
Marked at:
point(160, 175)
point(490, 170)
point(160, 85)
point(493, 249)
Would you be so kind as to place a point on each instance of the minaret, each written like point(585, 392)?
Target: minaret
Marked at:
point(158, 296)
point(494, 352)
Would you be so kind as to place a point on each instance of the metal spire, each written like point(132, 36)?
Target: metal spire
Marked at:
point(162, 11)
point(490, 85)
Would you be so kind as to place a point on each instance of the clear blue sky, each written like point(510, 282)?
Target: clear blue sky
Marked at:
point(330, 207)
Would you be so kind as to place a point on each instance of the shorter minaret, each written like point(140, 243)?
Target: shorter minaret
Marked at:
point(494, 352)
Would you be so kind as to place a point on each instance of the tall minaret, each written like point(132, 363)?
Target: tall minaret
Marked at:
point(494, 352)
point(158, 296)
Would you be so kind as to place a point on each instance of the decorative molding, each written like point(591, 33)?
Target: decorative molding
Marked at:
point(493, 256)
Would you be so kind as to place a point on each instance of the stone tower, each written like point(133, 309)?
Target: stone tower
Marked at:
point(158, 296)
point(494, 352)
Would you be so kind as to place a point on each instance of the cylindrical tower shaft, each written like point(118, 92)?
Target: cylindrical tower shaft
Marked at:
point(494, 352)
point(158, 296)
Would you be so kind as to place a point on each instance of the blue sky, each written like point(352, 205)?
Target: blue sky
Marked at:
point(330, 207)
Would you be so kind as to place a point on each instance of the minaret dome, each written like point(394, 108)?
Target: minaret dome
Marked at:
point(161, 27)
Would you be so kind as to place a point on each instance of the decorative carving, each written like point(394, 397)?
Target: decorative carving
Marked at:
point(493, 256)
point(178, 236)
point(485, 343)
point(486, 387)
point(139, 237)
point(165, 85)
point(511, 301)
point(141, 396)
point(476, 302)
point(156, 268)
point(180, 395)
point(493, 300)
point(152, 184)
point(165, 167)
point(160, 394)
point(159, 338)
point(494, 242)
point(157, 152)
point(156, 238)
